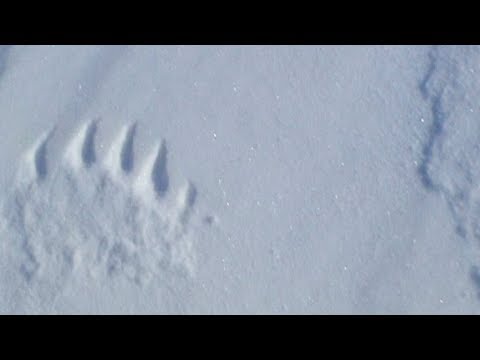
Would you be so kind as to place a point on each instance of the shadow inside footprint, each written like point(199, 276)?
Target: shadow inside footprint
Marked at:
point(191, 196)
point(41, 161)
point(159, 172)
point(475, 276)
point(126, 155)
point(88, 148)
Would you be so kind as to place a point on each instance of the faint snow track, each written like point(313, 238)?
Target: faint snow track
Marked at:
point(451, 155)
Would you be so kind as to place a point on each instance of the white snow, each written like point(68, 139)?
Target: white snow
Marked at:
point(239, 179)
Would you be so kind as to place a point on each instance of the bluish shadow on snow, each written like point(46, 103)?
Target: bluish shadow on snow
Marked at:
point(159, 172)
point(88, 149)
point(437, 126)
point(475, 276)
point(41, 160)
point(432, 65)
point(126, 156)
point(435, 131)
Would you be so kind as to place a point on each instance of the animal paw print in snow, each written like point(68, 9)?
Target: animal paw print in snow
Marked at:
point(100, 217)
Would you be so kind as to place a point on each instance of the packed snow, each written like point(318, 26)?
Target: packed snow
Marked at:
point(239, 179)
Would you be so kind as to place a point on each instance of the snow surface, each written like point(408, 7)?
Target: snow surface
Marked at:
point(240, 179)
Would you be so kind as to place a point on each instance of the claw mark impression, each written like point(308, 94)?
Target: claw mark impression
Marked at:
point(104, 219)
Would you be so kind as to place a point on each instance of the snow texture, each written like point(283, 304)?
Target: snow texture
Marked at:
point(240, 179)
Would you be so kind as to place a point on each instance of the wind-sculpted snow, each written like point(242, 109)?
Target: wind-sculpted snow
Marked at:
point(97, 218)
point(451, 155)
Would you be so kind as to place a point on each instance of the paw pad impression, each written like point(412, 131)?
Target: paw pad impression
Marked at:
point(102, 217)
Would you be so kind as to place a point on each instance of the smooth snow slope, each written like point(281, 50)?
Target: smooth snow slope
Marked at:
point(239, 179)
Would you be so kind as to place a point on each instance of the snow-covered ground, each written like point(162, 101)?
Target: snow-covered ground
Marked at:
point(239, 179)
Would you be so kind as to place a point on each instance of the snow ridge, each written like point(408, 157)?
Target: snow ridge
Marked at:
point(451, 155)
